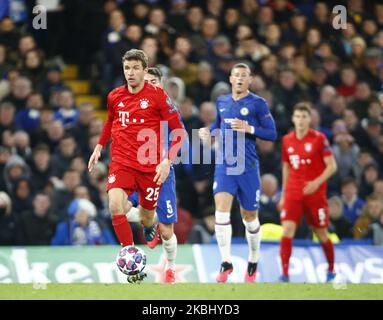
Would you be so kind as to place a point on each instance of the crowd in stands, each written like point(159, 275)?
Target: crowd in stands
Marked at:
point(47, 195)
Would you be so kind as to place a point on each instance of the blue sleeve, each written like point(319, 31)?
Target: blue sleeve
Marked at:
point(61, 235)
point(266, 130)
point(134, 199)
point(217, 122)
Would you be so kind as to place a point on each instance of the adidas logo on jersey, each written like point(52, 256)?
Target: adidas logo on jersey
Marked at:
point(121, 105)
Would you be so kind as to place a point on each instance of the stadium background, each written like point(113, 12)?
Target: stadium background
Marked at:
point(54, 82)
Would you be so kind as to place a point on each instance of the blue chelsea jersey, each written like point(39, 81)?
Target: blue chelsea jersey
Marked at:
point(254, 110)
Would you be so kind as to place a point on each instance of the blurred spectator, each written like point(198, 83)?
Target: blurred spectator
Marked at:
point(22, 195)
point(287, 90)
point(361, 99)
point(346, 153)
point(375, 231)
point(81, 227)
point(80, 130)
point(369, 177)
point(9, 222)
point(64, 154)
point(21, 144)
point(38, 224)
point(268, 210)
point(180, 67)
point(14, 169)
point(339, 224)
point(28, 119)
point(7, 116)
point(67, 111)
point(21, 88)
point(63, 193)
point(269, 157)
point(41, 167)
point(370, 214)
point(352, 204)
point(201, 89)
point(347, 87)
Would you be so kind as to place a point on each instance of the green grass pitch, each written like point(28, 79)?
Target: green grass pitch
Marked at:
point(192, 291)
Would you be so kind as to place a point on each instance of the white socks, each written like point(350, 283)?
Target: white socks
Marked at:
point(223, 232)
point(253, 236)
point(170, 250)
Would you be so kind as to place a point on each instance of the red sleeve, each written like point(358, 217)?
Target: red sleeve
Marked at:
point(325, 146)
point(285, 157)
point(107, 129)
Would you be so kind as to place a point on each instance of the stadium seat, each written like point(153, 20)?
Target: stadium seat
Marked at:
point(92, 99)
point(78, 86)
point(70, 72)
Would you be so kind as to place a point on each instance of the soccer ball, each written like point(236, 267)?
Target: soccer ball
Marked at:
point(131, 260)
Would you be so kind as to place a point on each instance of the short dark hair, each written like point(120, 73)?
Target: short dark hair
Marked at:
point(138, 55)
point(241, 65)
point(302, 106)
point(154, 71)
point(349, 180)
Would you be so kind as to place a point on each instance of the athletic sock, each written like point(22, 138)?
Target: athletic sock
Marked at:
point(223, 232)
point(122, 229)
point(170, 250)
point(285, 253)
point(328, 249)
point(253, 236)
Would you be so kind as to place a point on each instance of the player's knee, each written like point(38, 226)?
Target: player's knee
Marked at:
point(166, 231)
point(222, 217)
point(288, 231)
point(322, 236)
point(248, 216)
point(115, 207)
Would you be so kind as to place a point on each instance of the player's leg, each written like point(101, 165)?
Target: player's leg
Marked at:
point(169, 245)
point(290, 217)
point(248, 198)
point(318, 217)
point(148, 222)
point(148, 193)
point(223, 232)
point(167, 216)
point(253, 237)
point(117, 202)
point(289, 228)
point(328, 249)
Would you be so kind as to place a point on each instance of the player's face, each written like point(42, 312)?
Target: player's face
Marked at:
point(240, 80)
point(153, 80)
point(301, 120)
point(134, 73)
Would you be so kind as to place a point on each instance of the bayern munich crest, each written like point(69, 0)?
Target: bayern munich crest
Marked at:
point(144, 103)
point(112, 178)
point(308, 147)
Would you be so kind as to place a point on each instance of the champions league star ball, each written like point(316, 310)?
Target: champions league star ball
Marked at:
point(131, 260)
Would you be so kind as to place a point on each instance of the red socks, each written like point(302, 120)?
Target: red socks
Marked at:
point(122, 229)
point(285, 253)
point(328, 249)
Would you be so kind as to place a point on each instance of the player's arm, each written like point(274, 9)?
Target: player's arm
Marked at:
point(104, 137)
point(266, 130)
point(285, 175)
point(330, 169)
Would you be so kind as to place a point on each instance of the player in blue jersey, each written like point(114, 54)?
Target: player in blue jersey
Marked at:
point(245, 117)
point(166, 207)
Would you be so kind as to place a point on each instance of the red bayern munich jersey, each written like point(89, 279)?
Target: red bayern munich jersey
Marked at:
point(305, 160)
point(131, 117)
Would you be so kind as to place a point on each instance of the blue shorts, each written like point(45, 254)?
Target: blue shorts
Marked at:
point(167, 202)
point(246, 187)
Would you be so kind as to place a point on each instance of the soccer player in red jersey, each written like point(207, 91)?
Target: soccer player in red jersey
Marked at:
point(307, 164)
point(135, 112)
